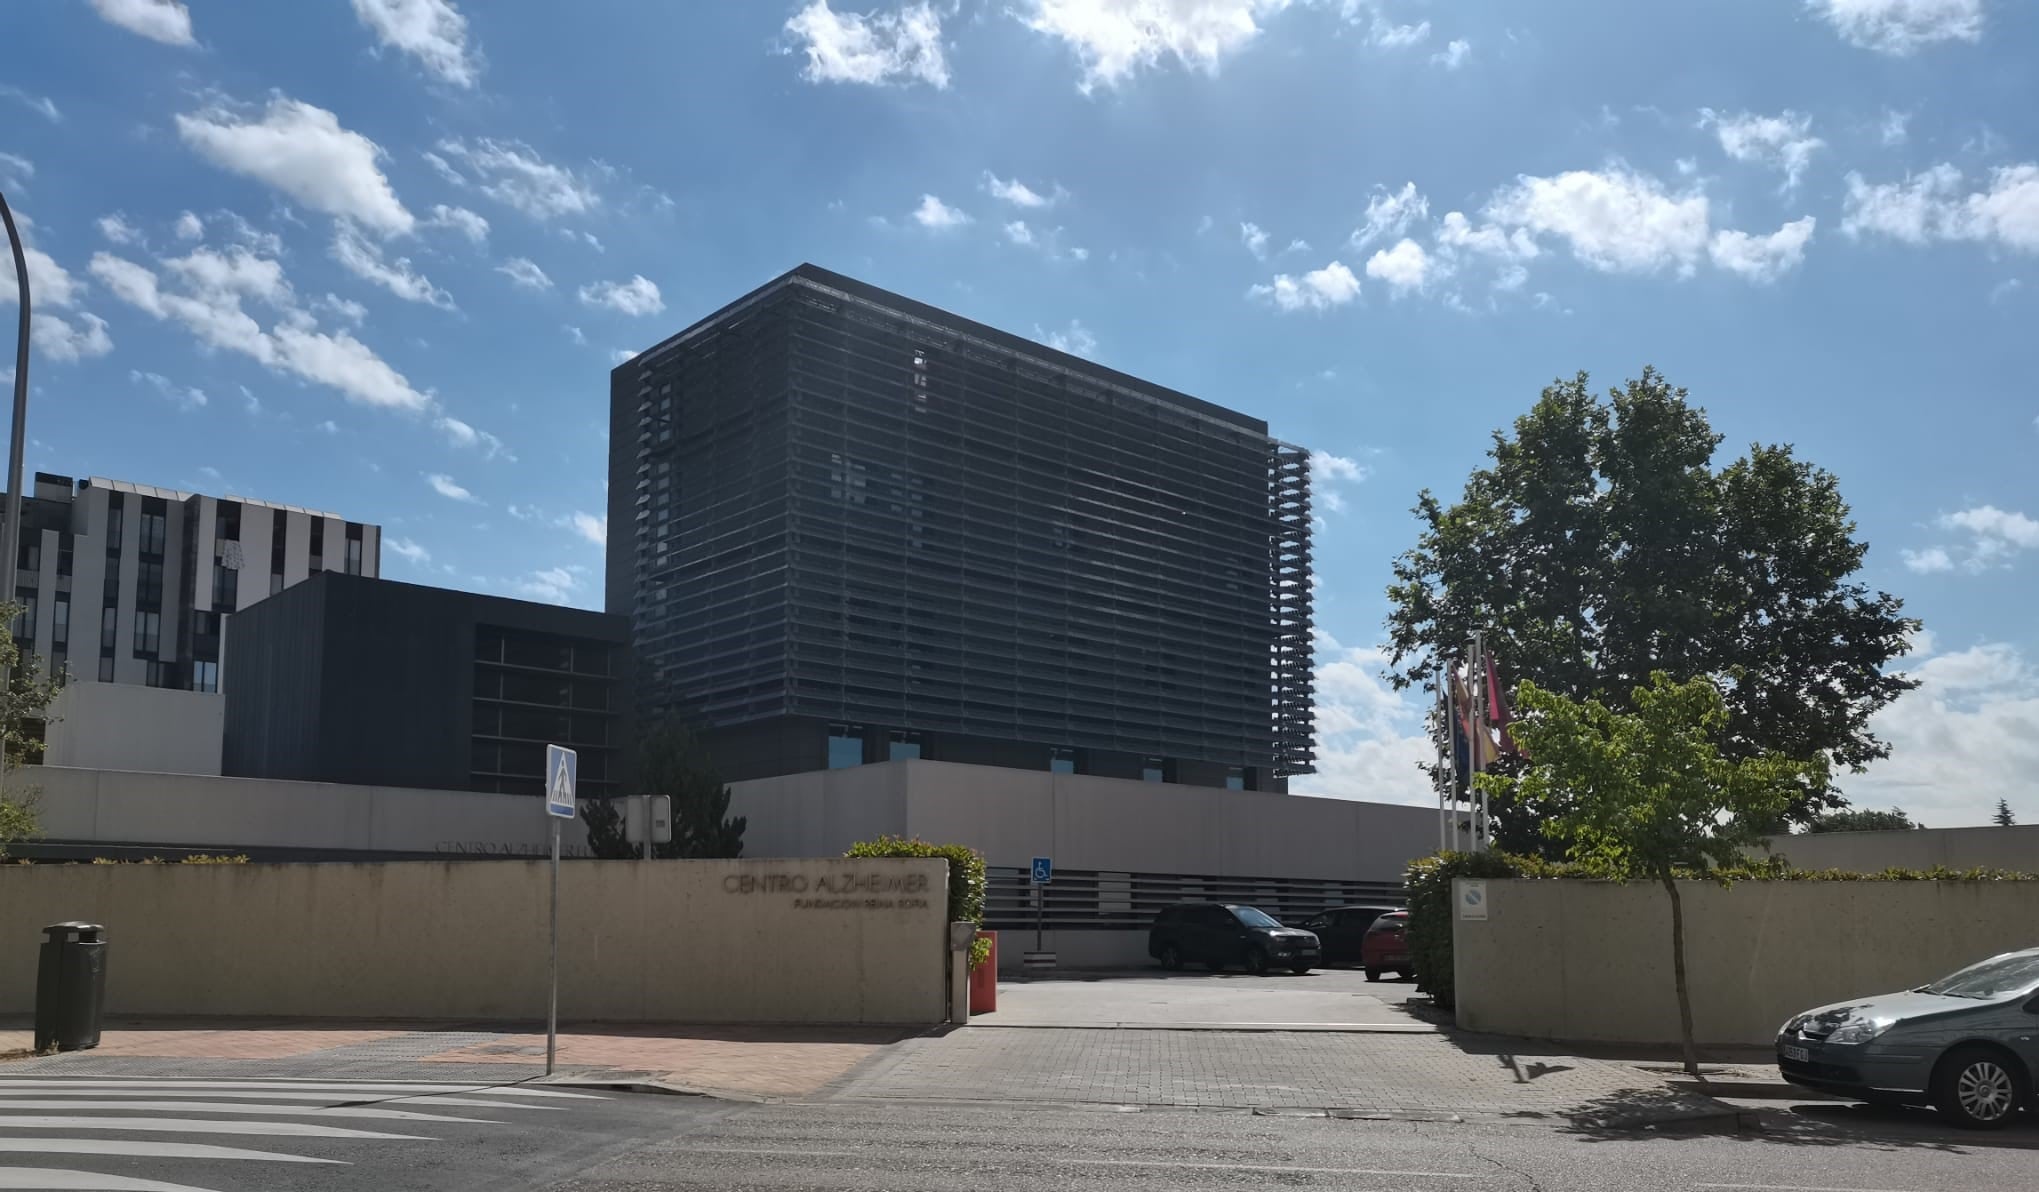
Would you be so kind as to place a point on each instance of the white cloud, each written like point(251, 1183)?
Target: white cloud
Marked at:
point(638, 296)
point(189, 227)
point(1615, 220)
point(41, 105)
point(1319, 289)
point(302, 151)
point(461, 220)
point(460, 434)
point(1254, 239)
point(1901, 27)
point(1929, 206)
point(209, 289)
point(365, 261)
point(342, 308)
point(184, 397)
point(1456, 233)
point(1019, 194)
point(1454, 54)
point(117, 230)
point(1762, 258)
point(328, 427)
point(432, 31)
point(1896, 127)
point(594, 529)
point(1116, 38)
point(49, 284)
point(407, 550)
point(553, 584)
point(166, 21)
point(1329, 473)
point(1784, 141)
point(901, 46)
point(1369, 738)
point(1930, 561)
point(1076, 339)
point(526, 274)
point(1405, 267)
point(1397, 37)
point(1968, 736)
point(1391, 214)
point(444, 485)
point(621, 356)
point(60, 339)
point(933, 213)
point(575, 334)
point(512, 173)
point(1019, 233)
point(14, 169)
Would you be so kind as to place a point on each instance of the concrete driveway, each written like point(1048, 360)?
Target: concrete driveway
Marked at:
point(1320, 1000)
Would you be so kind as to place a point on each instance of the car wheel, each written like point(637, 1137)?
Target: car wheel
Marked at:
point(1979, 1088)
point(1171, 957)
point(1256, 962)
point(1299, 969)
point(1372, 973)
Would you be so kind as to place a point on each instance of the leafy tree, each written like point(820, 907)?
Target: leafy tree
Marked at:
point(671, 762)
point(25, 700)
point(1600, 545)
point(1859, 820)
point(1643, 794)
point(2003, 817)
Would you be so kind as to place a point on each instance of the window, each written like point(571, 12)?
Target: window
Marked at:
point(902, 747)
point(1152, 770)
point(161, 674)
point(60, 620)
point(318, 544)
point(64, 553)
point(106, 668)
point(29, 560)
point(149, 585)
point(1235, 778)
point(275, 582)
point(152, 532)
point(226, 524)
point(148, 633)
point(116, 522)
point(24, 621)
point(353, 548)
point(225, 587)
point(845, 747)
point(1062, 761)
point(205, 676)
point(109, 619)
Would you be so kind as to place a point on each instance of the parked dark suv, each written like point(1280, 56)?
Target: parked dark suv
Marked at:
point(1342, 928)
point(1218, 935)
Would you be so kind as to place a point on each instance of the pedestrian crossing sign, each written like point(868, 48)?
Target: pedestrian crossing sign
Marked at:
point(562, 765)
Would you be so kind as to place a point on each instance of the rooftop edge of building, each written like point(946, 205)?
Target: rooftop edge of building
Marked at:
point(826, 280)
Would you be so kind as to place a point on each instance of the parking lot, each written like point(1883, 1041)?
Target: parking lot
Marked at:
point(1320, 1000)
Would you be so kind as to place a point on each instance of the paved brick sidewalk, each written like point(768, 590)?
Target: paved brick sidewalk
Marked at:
point(744, 1062)
point(1370, 1073)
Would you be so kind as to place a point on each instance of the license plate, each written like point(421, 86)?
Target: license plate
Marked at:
point(1797, 1055)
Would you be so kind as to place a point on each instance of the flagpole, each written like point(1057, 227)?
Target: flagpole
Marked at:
point(1476, 749)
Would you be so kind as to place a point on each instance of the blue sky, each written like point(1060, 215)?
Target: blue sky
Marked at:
point(377, 256)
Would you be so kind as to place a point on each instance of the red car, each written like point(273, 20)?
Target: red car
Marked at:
point(1386, 947)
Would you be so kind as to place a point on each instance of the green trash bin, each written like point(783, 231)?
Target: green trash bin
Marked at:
point(70, 987)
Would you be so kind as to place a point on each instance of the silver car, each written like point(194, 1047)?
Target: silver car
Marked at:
point(1966, 1044)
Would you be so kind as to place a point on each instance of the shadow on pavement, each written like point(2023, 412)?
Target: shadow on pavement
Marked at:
point(1677, 1114)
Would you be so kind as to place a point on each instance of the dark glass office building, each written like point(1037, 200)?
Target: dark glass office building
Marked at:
point(850, 527)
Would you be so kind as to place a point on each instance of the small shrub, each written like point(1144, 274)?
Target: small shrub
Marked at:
point(1430, 911)
point(966, 879)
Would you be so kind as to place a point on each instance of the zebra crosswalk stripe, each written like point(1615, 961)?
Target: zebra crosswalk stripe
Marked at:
point(157, 1125)
point(9, 1095)
point(141, 1149)
point(49, 1179)
point(389, 1087)
point(229, 1107)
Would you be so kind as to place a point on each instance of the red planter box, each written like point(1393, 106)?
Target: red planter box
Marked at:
point(984, 979)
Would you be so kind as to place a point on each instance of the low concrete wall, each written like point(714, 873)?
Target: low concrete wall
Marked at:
point(119, 726)
point(1592, 960)
point(822, 941)
point(2015, 847)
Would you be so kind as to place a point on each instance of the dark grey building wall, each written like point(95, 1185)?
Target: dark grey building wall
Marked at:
point(277, 658)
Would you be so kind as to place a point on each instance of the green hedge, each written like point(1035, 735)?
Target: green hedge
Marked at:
point(1431, 913)
point(966, 878)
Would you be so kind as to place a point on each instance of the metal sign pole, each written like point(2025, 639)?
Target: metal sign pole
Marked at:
point(552, 961)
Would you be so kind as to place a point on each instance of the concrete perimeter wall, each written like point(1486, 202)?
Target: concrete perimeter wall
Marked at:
point(2016, 847)
point(1592, 960)
point(802, 941)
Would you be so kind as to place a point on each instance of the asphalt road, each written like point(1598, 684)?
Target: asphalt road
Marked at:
point(148, 1136)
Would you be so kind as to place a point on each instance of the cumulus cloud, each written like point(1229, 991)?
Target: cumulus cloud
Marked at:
point(167, 21)
point(1932, 206)
point(638, 296)
point(446, 487)
point(1968, 736)
point(1114, 39)
point(1991, 539)
point(1255, 240)
point(1901, 27)
point(1370, 740)
point(41, 105)
point(1405, 267)
point(1615, 220)
point(302, 151)
point(365, 261)
point(1932, 560)
point(1762, 258)
point(516, 175)
point(526, 274)
point(117, 230)
point(1390, 36)
point(1019, 194)
point(1076, 339)
point(1328, 476)
point(461, 220)
point(1319, 289)
point(460, 434)
point(1391, 214)
point(933, 213)
point(900, 46)
point(1783, 142)
point(1454, 54)
point(589, 526)
point(68, 339)
point(408, 551)
point(431, 31)
point(183, 397)
point(555, 585)
point(1456, 234)
point(204, 293)
point(189, 227)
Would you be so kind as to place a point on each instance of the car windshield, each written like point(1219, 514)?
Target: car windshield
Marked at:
point(1999, 976)
point(1254, 917)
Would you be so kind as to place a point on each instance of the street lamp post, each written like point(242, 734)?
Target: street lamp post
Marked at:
point(10, 534)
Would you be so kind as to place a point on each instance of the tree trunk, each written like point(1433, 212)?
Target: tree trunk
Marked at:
point(1678, 976)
